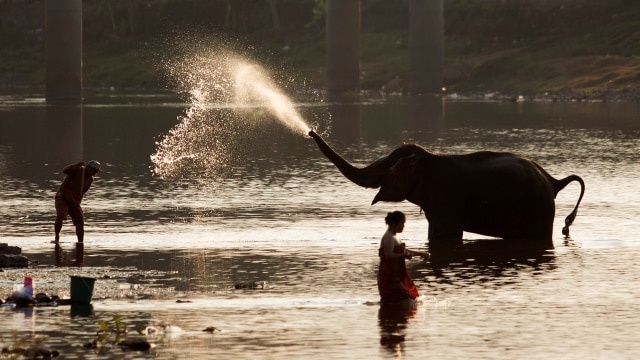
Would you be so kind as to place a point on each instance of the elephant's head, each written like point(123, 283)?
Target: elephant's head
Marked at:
point(395, 174)
point(399, 182)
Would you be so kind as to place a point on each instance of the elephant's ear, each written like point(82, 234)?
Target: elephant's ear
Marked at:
point(399, 181)
point(404, 173)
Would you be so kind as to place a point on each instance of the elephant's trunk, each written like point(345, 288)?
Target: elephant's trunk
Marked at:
point(369, 177)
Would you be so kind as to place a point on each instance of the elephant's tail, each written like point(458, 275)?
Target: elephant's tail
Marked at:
point(559, 185)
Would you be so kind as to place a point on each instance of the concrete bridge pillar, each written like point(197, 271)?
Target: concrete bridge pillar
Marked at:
point(63, 31)
point(426, 46)
point(343, 46)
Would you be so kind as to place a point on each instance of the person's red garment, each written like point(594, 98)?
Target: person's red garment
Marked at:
point(394, 283)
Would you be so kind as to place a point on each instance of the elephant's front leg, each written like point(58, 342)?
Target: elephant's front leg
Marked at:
point(445, 238)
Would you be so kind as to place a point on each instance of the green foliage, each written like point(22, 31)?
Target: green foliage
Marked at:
point(317, 13)
point(103, 325)
point(490, 44)
point(120, 328)
point(118, 331)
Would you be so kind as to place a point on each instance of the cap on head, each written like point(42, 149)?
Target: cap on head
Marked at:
point(94, 165)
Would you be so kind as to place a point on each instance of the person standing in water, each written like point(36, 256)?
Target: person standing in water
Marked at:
point(394, 283)
point(77, 181)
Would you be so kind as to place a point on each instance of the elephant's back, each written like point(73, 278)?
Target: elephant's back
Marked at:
point(505, 193)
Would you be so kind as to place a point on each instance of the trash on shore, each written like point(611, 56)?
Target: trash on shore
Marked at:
point(22, 295)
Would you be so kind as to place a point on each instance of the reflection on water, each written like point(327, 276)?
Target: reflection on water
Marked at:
point(62, 257)
point(427, 114)
point(393, 326)
point(63, 138)
point(284, 215)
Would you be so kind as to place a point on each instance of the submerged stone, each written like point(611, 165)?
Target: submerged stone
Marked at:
point(9, 250)
point(135, 344)
point(10, 256)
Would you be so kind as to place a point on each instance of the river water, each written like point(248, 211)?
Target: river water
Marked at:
point(278, 212)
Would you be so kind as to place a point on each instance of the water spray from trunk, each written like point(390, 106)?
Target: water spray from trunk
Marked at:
point(252, 84)
point(228, 94)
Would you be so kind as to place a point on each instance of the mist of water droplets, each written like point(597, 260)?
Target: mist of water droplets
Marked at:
point(226, 95)
point(253, 86)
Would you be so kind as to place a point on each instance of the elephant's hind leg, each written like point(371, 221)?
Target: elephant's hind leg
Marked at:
point(541, 237)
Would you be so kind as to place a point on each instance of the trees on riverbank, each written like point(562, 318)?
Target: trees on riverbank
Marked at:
point(518, 46)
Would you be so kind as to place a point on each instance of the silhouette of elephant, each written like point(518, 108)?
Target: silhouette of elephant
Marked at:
point(496, 194)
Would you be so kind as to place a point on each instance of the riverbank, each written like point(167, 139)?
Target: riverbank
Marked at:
point(574, 51)
point(607, 78)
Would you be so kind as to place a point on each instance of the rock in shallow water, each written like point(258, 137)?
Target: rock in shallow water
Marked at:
point(10, 256)
point(9, 250)
point(13, 261)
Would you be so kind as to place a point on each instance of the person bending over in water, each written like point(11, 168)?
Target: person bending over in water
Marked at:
point(77, 181)
point(394, 283)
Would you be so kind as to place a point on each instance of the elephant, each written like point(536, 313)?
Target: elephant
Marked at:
point(497, 194)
